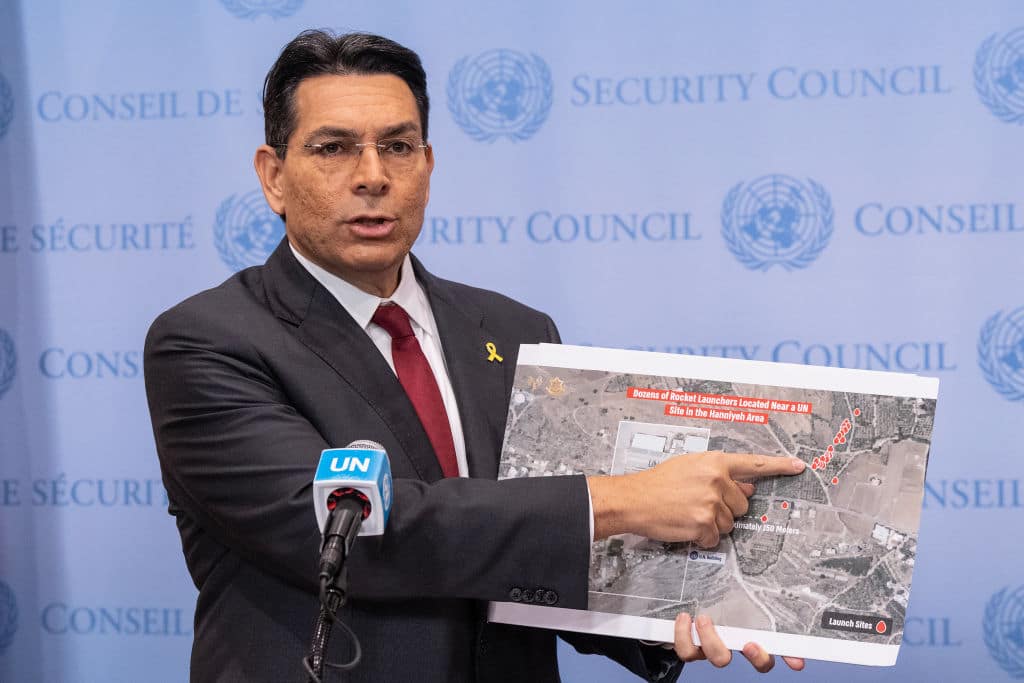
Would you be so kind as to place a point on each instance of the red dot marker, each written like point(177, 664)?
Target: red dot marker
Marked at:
point(880, 627)
point(764, 518)
point(814, 465)
point(828, 458)
point(856, 412)
point(836, 441)
point(785, 505)
point(830, 448)
point(842, 439)
point(835, 481)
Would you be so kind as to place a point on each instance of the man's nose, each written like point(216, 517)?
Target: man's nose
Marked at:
point(370, 175)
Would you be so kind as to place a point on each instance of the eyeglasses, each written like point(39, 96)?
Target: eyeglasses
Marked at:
point(398, 155)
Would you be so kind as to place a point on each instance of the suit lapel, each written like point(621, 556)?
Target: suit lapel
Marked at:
point(327, 329)
point(479, 384)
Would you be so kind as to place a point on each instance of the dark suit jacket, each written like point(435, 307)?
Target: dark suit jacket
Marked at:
point(249, 381)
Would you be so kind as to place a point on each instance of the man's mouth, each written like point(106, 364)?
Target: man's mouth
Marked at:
point(372, 225)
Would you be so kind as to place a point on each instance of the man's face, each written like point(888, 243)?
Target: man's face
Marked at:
point(356, 217)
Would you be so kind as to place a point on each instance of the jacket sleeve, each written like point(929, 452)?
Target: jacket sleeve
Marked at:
point(238, 461)
point(651, 662)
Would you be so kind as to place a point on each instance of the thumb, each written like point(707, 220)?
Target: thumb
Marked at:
point(746, 488)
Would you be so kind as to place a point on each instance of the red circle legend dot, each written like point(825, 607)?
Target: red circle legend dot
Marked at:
point(856, 412)
point(880, 627)
point(764, 518)
point(835, 480)
point(785, 505)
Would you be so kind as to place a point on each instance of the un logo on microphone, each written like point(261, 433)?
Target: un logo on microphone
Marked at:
point(386, 487)
point(1004, 630)
point(8, 616)
point(250, 9)
point(6, 106)
point(777, 220)
point(999, 75)
point(1001, 353)
point(500, 93)
point(8, 362)
point(246, 231)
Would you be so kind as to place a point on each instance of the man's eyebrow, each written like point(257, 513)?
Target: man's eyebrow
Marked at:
point(331, 132)
point(403, 128)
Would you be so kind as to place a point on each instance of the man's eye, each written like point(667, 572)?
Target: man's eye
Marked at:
point(399, 148)
point(333, 148)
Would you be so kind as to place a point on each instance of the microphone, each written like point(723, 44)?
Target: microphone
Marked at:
point(352, 493)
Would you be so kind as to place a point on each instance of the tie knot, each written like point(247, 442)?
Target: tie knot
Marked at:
point(394, 320)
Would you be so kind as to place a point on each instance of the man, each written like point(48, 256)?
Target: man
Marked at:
point(339, 337)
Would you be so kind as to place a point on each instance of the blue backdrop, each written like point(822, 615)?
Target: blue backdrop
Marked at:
point(825, 183)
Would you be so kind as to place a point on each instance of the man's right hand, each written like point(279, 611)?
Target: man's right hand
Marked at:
point(693, 497)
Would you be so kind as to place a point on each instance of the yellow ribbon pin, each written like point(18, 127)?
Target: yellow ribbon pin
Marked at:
point(492, 353)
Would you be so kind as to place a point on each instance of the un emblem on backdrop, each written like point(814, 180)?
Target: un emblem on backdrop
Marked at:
point(1001, 353)
point(999, 75)
point(8, 616)
point(250, 9)
point(246, 230)
point(1004, 630)
point(777, 219)
point(500, 93)
point(8, 362)
point(6, 106)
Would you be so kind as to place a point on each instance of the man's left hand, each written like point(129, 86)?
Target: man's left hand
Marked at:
point(714, 650)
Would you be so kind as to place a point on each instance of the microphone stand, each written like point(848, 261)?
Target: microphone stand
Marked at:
point(333, 595)
point(342, 528)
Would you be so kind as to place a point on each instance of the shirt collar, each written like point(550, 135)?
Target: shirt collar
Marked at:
point(362, 305)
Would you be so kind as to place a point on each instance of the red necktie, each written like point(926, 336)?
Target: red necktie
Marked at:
point(419, 383)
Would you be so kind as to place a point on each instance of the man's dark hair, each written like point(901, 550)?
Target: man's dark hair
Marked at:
point(315, 52)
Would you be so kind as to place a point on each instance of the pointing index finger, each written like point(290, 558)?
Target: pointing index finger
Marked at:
point(742, 465)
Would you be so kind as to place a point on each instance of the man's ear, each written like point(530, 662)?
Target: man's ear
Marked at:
point(270, 169)
point(430, 166)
